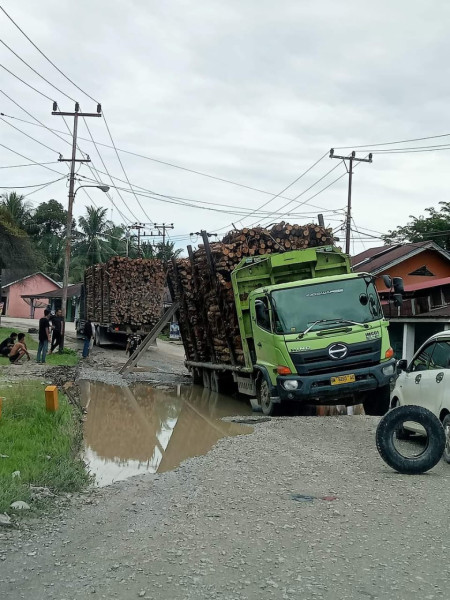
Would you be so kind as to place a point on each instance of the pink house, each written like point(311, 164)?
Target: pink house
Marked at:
point(13, 303)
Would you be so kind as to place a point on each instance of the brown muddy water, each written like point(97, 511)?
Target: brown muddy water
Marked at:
point(132, 431)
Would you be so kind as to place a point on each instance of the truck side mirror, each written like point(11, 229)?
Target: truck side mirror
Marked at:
point(402, 365)
point(398, 299)
point(398, 285)
point(387, 281)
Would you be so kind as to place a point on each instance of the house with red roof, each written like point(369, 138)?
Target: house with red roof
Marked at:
point(425, 270)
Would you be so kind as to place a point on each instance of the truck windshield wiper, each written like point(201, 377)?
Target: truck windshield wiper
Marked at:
point(338, 321)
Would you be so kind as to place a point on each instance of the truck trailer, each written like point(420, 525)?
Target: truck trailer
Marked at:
point(312, 333)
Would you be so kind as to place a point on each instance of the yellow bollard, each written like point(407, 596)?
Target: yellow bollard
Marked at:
point(51, 398)
point(1, 402)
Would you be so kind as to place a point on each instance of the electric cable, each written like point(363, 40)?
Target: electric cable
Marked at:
point(46, 57)
point(27, 84)
point(29, 136)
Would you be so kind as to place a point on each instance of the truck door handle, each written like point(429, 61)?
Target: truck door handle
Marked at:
point(418, 378)
point(259, 344)
point(439, 377)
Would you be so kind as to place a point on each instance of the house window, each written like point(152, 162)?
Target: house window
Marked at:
point(422, 272)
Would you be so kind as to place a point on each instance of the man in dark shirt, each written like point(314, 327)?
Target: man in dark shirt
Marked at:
point(88, 333)
point(7, 344)
point(44, 337)
point(58, 325)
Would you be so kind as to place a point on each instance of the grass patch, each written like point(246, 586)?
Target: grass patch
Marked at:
point(43, 446)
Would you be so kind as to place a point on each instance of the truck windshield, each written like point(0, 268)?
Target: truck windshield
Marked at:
point(329, 304)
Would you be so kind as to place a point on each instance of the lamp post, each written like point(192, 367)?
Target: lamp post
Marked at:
point(104, 188)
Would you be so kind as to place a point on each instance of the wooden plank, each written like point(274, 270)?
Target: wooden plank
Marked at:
point(150, 338)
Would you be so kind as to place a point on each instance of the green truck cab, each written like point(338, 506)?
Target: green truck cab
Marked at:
point(312, 332)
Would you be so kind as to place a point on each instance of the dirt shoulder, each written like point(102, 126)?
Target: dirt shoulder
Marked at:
point(226, 525)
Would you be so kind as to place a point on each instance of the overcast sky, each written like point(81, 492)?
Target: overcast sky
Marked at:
point(252, 91)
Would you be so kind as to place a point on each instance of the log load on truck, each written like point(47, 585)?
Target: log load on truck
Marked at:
point(293, 326)
point(121, 297)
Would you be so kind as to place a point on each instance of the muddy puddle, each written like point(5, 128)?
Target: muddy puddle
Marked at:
point(131, 431)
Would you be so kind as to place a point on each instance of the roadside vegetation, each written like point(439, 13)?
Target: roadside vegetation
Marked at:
point(43, 446)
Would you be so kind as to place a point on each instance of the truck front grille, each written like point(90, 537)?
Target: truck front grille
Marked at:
point(316, 362)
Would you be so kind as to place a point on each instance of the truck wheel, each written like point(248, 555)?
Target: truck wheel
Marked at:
point(446, 425)
point(387, 433)
point(268, 407)
point(376, 402)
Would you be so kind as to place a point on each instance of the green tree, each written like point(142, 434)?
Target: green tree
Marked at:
point(18, 209)
point(17, 254)
point(163, 251)
point(93, 242)
point(435, 227)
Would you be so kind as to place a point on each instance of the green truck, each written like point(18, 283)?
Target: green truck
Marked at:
point(312, 333)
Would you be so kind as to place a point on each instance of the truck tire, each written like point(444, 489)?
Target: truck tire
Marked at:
point(376, 402)
point(446, 426)
point(268, 407)
point(387, 432)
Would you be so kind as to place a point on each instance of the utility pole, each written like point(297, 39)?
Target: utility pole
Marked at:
point(164, 227)
point(73, 160)
point(138, 227)
point(352, 158)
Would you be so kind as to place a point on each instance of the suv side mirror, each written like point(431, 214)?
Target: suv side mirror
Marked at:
point(402, 365)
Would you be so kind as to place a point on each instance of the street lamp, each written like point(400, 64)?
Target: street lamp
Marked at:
point(104, 188)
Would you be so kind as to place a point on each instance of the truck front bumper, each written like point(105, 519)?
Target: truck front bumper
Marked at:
point(319, 387)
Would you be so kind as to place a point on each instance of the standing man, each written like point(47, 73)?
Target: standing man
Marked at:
point(57, 322)
point(88, 335)
point(44, 337)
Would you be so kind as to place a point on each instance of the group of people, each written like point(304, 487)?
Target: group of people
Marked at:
point(51, 329)
point(14, 347)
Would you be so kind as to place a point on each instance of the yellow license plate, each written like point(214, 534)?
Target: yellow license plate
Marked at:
point(343, 379)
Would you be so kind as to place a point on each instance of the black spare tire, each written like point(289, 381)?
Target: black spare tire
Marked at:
point(386, 436)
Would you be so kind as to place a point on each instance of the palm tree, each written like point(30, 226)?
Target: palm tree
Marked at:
point(18, 209)
point(93, 240)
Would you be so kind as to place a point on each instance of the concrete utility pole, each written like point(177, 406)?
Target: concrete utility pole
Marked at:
point(352, 158)
point(73, 160)
point(138, 227)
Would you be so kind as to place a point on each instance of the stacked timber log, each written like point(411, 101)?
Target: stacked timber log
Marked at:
point(125, 291)
point(207, 316)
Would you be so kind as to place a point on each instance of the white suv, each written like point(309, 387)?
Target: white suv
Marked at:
point(426, 382)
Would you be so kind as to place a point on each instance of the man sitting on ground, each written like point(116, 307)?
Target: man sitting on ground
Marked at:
point(7, 344)
point(18, 350)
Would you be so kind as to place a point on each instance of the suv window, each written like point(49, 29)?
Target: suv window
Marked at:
point(262, 312)
point(420, 363)
point(440, 358)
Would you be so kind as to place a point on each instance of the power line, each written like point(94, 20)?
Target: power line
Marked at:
point(29, 136)
point(44, 186)
point(30, 165)
point(33, 117)
point(430, 137)
point(34, 71)
point(112, 182)
point(30, 159)
point(23, 187)
point(123, 168)
point(24, 82)
point(46, 57)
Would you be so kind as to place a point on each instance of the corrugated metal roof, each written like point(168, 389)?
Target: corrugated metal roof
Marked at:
point(378, 259)
point(72, 291)
point(430, 283)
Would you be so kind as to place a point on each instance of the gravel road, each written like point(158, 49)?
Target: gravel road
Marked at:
point(226, 526)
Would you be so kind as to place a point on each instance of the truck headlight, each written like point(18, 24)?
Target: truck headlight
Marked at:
point(290, 384)
point(388, 370)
